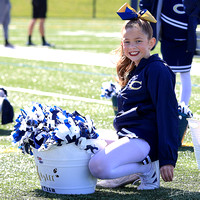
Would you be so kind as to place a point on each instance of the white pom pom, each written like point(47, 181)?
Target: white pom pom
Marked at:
point(62, 131)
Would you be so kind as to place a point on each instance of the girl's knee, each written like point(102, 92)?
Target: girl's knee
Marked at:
point(98, 169)
point(95, 168)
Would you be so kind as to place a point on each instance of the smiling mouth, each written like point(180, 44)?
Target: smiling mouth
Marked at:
point(134, 53)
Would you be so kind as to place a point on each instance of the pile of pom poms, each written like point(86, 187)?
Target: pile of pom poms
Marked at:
point(109, 89)
point(45, 127)
point(184, 110)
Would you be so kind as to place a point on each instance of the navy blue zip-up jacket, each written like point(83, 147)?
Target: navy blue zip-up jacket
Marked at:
point(147, 106)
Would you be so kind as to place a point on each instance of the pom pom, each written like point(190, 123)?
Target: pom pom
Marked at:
point(109, 89)
point(44, 127)
point(184, 109)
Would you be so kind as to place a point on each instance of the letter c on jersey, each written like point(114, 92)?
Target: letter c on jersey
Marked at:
point(178, 8)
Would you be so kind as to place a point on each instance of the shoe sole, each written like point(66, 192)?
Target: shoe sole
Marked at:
point(117, 185)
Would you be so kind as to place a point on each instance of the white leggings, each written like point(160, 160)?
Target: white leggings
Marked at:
point(186, 87)
point(120, 158)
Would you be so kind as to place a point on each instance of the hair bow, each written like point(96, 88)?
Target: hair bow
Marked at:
point(126, 12)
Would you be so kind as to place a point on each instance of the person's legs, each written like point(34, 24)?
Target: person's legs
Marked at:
point(31, 26)
point(186, 87)
point(120, 158)
point(30, 31)
point(5, 30)
point(41, 27)
point(42, 32)
point(5, 24)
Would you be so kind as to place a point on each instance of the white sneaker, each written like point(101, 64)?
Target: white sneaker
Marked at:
point(118, 182)
point(151, 179)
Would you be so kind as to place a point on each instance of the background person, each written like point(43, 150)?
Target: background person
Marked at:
point(5, 8)
point(39, 12)
point(176, 31)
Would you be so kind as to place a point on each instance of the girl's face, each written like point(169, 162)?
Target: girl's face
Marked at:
point(136, 44)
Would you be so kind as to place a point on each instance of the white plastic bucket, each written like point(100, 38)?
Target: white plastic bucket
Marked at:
point(64, 170)
point(194, 126)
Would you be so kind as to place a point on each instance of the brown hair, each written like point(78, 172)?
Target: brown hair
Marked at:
point(124, 64)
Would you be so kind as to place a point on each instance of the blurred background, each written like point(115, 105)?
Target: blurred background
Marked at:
point(72, 8)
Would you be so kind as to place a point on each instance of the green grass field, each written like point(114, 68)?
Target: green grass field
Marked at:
point(18, 175)
point(71, 9)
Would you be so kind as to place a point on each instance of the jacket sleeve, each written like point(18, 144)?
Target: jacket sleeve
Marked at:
point(192, 9)
point(160, 84)
point(191, 5)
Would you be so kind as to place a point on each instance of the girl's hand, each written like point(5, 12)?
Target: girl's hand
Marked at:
point(167, 172)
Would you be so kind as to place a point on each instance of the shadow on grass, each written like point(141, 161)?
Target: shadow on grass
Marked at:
point(128, 193)
point(186, 148)
point(4, 132)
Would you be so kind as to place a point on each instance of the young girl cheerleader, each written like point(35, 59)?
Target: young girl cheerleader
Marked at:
point(147, 119)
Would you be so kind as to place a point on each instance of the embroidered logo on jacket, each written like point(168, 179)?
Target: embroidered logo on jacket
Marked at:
point(135, 85)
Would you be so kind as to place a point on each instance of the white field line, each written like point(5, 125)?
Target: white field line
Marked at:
point(56, 55)
point(52, 94)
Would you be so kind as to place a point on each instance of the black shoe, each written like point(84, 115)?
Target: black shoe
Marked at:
point(9, 45)
point(47, 44)
point(30, 44)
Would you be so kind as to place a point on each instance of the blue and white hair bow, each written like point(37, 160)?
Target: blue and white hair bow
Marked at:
point(126, 12)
